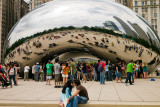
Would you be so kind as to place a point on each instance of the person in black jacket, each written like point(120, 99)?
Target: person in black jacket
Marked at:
point(97, 72)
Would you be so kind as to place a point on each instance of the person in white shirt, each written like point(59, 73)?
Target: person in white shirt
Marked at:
point(26, 72)
point(33, 71)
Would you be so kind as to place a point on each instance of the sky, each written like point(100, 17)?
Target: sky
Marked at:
point(29, 0)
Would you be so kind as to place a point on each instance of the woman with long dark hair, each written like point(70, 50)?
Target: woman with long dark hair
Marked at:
point(66, 93)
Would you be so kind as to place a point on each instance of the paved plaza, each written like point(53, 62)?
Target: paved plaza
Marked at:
point(144, 92)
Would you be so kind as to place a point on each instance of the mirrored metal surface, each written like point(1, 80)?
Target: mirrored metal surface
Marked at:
point(79, 13)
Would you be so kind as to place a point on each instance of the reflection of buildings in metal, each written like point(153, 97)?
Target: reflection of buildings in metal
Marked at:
point(127, 29)
point(110, 25)
point(139, 30)
point(151, 32)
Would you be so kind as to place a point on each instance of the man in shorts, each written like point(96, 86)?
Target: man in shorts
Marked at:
point(57, 73)
point(49, 67)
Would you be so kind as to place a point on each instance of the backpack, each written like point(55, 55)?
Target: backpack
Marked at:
point(12, 71)
point(100, 68)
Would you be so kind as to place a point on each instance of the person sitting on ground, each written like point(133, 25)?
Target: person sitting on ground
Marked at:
point(66, 93)
point(83, 98)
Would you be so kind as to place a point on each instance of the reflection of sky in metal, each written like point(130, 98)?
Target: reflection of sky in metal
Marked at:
point(76, 13)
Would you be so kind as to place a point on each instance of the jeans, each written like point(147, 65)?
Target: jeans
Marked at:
point(106, 75)
point(98, 75)
point(119, 74)
point(133, 77)
point(102, 77)
point(77, 100)
point(12, 77)
point(72, 77)
point(110, 77)
point(128, 77)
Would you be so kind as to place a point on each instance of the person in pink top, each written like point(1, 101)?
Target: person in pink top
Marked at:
point(102, 70)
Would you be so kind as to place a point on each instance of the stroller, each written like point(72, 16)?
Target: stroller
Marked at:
point(4, 81)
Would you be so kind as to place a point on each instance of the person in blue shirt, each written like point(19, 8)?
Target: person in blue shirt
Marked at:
point(66, 93)
point(37, 67)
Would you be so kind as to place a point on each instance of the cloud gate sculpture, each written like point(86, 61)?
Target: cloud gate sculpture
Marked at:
point(99, 27)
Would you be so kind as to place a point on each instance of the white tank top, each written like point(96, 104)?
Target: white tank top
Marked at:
point(11, 72)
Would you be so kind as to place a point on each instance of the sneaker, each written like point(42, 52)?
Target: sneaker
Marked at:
point(126, 84)
point(132, 84)
point(58, 86)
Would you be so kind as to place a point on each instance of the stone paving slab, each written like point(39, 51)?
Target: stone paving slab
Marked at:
point(144, 92)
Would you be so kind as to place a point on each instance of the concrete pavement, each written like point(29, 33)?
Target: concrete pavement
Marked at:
point(31, 93)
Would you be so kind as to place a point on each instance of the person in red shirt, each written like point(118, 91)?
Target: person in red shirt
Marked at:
point(102, 74)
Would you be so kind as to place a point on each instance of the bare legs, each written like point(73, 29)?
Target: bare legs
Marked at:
point(136, 74)
point(118, 79)
point(65, 79)
point(84, 78)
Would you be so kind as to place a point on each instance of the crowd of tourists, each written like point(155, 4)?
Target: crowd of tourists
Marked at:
point(86, 71)
point(70, 70)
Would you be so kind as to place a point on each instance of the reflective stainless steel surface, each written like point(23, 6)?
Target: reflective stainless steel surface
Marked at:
point(78, 13)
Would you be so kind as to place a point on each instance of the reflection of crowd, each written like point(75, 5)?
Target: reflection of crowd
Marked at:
point(103, 44)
